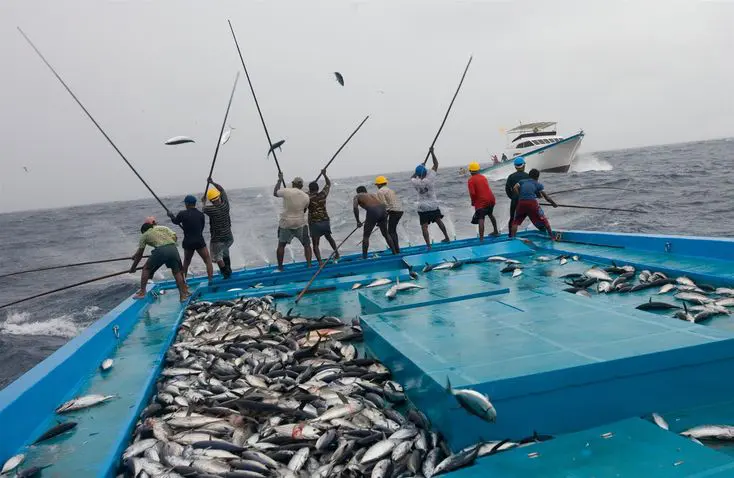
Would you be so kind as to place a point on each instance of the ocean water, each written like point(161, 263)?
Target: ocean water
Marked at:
point(683, 188)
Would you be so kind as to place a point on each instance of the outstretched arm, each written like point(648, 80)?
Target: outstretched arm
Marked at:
point(277, 185)
point(136, 259)
point(548, 198)
point(327, 186)
point(435, 160)
point(355, 206)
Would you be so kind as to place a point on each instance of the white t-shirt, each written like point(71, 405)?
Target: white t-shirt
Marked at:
point(390, 199)
point(426, 188)
point(295, 203)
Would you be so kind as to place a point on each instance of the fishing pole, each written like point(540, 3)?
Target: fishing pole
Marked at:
point(257, 104)
point(342, 147)
point(68, 265)
point(92, 118)
point(593, 207)
point(323, 264)
point(107, 276)
point(219, 138)
point(447, 111)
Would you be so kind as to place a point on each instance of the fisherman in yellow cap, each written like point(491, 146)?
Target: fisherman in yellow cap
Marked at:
point(220, 226)
point(394, 209)
point(482, 198)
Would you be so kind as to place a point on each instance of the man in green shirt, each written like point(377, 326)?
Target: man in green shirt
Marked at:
point(165, 252)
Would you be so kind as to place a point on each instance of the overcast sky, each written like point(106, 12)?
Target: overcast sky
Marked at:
point(629, 73)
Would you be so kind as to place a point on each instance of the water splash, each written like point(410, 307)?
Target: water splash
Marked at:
point(22, 323)
point(590, 162)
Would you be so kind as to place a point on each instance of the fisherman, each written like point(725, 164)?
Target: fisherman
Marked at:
point(163, 241)
point(220, 227)
point(376, 216)
point(394, 209)
point(512, 180)
point(528, 191)
point(318, 218)
point(293, 222)
point(504, 157)
point(495, 160)
point(192, 222)
point(424, 182)
point(482, 199)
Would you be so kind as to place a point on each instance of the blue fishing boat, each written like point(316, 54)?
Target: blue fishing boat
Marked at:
point(587, 370)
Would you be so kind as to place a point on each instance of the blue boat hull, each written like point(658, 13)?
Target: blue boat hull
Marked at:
point(550, 361)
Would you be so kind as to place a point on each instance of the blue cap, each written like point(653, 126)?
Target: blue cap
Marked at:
point(420, 170)
point(519, 161)
point(190, 199)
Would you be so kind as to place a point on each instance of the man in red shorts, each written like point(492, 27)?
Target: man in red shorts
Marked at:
point(482, 199)
point(528, 191)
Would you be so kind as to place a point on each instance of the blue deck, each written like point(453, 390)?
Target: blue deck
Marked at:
point(561, 364)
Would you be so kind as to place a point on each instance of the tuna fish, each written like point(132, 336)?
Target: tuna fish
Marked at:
point(660, 421)
point(379, 282)
point(711, 432)
point(12, 464)
point(55, 431)
point(473, 402)
point(598, 274)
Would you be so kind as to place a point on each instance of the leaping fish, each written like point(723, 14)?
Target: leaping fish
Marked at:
point(179, 140)
point(277, 145)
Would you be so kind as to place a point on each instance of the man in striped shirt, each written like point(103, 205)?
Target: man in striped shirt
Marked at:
point(220, 227)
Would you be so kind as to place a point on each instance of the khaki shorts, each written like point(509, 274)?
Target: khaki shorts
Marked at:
point(220, 250)
point(285, 236)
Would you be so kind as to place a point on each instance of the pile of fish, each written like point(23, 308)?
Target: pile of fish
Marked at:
point(700, 433)
point(707, 301)
point(249, 392)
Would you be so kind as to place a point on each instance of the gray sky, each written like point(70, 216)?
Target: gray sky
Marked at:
point(629, 73)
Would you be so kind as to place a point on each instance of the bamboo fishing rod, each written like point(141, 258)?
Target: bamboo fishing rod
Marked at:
point(66, 287)
point(257, 104)
point(448, 111)
point(323, 264)
point(342, 147)
point(92, 119)
point(68, 265)
point(219, 138)
point(594, 207)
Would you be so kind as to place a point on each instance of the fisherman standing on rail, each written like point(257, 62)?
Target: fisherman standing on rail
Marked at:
point(512, 180)
point(376, 216)
point(220, 227)
point(394, 209)
point(482, 199)
point(163, 241)
point(192, 222)
point(293, 222)
point(318, 218)
point(528, 191)
point(424, 181)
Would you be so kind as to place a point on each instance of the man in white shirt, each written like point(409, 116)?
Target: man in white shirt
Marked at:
point(394, 209)
point(424, 182)
point(293, 222)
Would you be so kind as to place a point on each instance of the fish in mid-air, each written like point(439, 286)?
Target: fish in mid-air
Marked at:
point(225, 136)
point(179, 140)
point(277, 145)
point(339, 78)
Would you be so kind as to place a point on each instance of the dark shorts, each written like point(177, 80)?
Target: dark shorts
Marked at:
point(193, 244)
point(375, 215)
point(164, 255)
point(320, 228)
point(427, 217)
point(285, 236)
point(220, 249)
point(481, 213)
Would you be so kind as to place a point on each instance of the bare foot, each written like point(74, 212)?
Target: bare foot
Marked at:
point(139, 295)
point(446, 240)
point(495, 234)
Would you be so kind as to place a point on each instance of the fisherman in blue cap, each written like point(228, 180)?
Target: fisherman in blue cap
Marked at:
point(191, 221)
point(424, 181)
point(512, 180)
